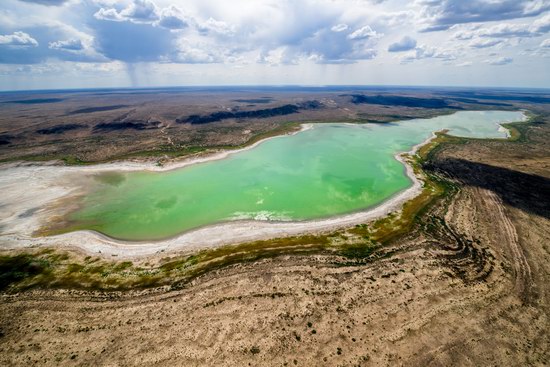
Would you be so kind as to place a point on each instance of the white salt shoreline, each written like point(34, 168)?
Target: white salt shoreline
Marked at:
point(128, 166)
point(24, 211)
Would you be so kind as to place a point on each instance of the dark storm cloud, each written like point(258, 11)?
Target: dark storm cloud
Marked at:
point(443, 14)
point(132, 42)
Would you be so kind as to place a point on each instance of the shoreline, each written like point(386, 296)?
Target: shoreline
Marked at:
point(215, 235)
point(128, 166)
point(227, 233)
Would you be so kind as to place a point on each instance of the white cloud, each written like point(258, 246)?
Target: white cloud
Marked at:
point(139, 11)
point(189, 54)
point(405, 44)
point(464, 35)
point(485, 43)
point(71, 45)
point(109, 14)
point(339, 27)
point(18, 39)
point(272, 57)
point(541, 25)
point(145, 12)
point(500, 61)
point(428, 52)
point(172, 18)
point(507, 30)
point(363, 33)
point(217, 27)
point(545, 43)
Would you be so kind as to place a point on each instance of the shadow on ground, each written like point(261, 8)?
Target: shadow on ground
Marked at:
point(528, 192)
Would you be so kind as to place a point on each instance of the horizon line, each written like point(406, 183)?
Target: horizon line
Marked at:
point(274, 86)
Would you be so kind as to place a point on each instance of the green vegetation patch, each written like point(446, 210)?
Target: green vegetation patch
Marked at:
point(14, 269)
point(55, 269)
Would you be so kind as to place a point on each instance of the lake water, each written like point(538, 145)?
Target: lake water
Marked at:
point(329, 170)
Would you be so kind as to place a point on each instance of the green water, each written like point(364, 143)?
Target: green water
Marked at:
point(328, 170)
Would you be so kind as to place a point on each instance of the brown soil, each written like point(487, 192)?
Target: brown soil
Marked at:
point(97, 127)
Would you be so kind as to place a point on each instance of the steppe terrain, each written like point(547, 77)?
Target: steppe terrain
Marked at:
point(102, 125)
point(464, 280)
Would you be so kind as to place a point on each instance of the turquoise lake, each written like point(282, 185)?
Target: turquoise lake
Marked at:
point(328, 170)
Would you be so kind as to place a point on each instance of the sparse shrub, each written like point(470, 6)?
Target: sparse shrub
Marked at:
point(358, 251)
point(16, 268)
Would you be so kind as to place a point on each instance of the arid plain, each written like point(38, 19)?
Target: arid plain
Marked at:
point(458, 277)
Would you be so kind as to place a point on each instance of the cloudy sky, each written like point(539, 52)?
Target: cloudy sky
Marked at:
point(140, 43)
